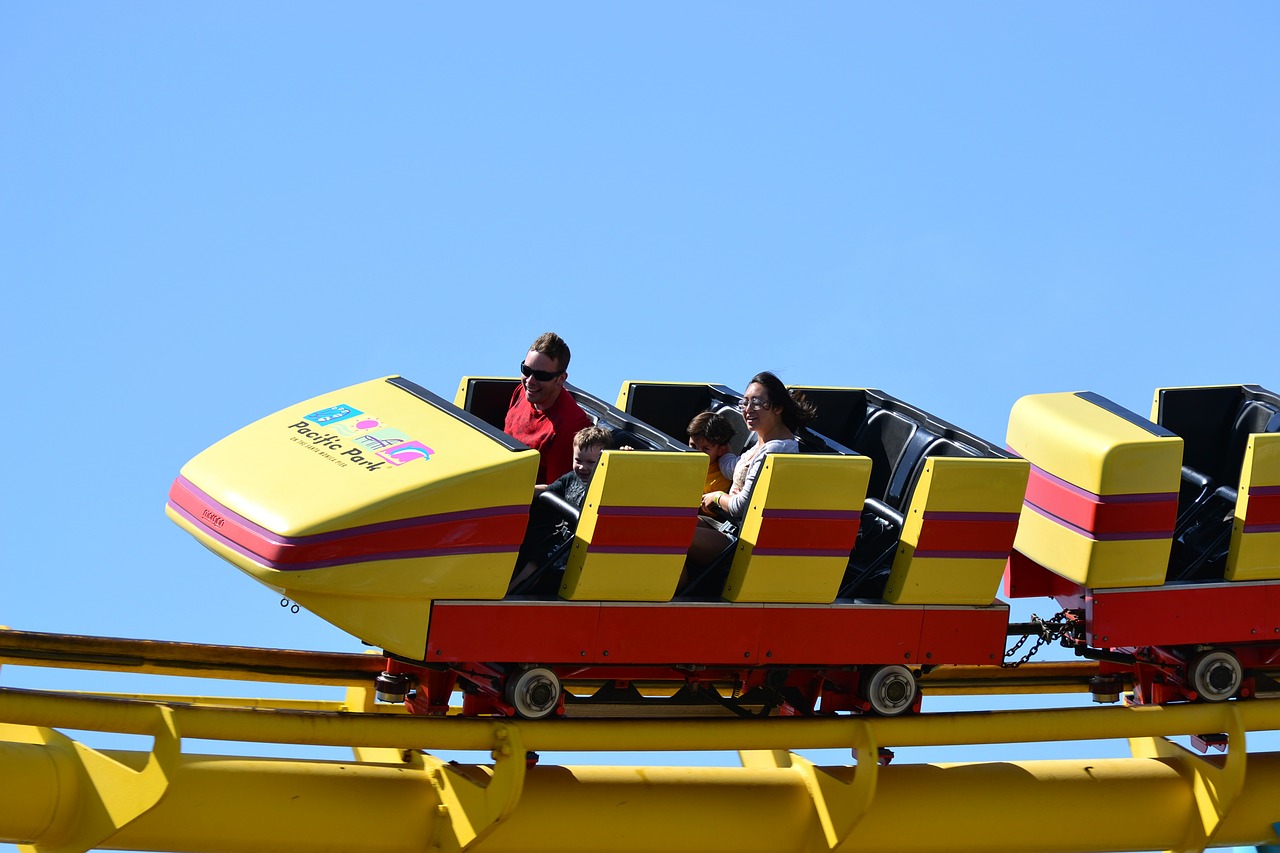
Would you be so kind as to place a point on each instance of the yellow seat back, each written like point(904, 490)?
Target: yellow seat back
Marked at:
point(636, 526)
point(1255, 532)
point(1102, 499)
point(799, 529)
point(957, 531)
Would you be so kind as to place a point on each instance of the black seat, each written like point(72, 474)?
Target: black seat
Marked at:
point(882, 439)
point(898, 438)
point(873, 553)
point(626, 438)
point(1215, 424)
point(1203, 536)
point(1255, 416)
point(552, 521)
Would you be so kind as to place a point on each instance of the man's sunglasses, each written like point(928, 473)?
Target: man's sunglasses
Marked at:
point(540, 375)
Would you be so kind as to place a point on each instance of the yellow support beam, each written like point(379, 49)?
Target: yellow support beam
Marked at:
point(61, 796)
point(1215, 785)
point(838, 803)
point(94, 795)
point(238, 805)
point(58, 795)
point(471, 808)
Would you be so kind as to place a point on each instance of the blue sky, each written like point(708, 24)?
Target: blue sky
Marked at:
point(211, 211)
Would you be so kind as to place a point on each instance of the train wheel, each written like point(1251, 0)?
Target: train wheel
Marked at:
point(891, 690)
point(534, 693)
point(1215, 675)
point(391, 687)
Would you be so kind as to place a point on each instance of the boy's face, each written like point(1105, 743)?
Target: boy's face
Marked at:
point(715, 451)
point(585, 460)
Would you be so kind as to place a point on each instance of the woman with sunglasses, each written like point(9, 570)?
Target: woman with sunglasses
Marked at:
point(542, 414)
point(773, 414)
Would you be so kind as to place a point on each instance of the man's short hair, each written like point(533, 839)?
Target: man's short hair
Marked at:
point(552, 346)
point(714, 427)
point(592, 436)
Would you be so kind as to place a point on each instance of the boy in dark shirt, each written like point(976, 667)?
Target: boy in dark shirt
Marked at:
point(541, 539)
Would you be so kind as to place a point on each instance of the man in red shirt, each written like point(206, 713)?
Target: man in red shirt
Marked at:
point(542, 414)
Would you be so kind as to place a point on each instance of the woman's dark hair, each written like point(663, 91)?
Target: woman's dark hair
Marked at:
point(797, 410)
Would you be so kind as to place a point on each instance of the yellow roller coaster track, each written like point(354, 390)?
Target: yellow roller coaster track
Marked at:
point(353, 670)
point(58, 794)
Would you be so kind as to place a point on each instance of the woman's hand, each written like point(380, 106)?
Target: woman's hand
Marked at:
point(711, 501)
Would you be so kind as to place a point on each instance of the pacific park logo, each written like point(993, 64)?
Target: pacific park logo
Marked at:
point(347, 435)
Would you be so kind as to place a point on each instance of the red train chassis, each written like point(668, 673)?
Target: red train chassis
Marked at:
point(1180, 642)
point(509, 657)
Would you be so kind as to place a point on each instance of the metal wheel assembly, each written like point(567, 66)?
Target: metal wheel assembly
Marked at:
point(1215, 674)
point(891, 690)
point(534, 693)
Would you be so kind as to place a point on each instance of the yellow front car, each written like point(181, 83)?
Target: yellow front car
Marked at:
point(364, 505)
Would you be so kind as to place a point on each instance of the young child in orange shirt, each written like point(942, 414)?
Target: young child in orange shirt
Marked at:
point(712, 433)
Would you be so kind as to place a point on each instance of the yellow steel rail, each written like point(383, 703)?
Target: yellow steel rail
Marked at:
point(362, 729)
point(245, 663)
point(158, 657)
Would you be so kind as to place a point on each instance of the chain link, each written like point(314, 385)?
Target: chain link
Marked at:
point(1055, 627)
